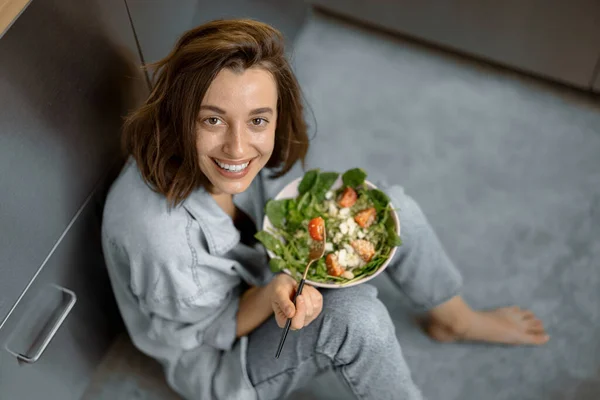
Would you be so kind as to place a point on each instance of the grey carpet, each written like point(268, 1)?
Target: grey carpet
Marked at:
point(507, 170)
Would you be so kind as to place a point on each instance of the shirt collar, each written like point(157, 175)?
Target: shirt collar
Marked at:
point(218, 228)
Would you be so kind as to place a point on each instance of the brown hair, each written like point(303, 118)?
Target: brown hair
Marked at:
point(160, 135)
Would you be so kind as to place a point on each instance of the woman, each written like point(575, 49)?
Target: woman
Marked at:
point(191, 281)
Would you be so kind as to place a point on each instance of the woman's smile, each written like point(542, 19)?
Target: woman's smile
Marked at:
point(231, 169)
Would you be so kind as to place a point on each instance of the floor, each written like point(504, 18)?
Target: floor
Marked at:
point(507, 169)
point(127, 374)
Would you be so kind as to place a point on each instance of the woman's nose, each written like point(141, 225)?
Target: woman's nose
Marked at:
point(234, 145)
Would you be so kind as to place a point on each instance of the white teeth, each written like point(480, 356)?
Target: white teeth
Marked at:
point(234, 168)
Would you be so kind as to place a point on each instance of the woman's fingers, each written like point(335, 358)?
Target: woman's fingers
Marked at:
point(282, 304)
point(280, 316)
point(298, 319)
point(316, 301)
point(283, 299)
point(309, 307)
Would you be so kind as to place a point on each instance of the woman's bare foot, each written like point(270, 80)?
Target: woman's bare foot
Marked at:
point(455, 320)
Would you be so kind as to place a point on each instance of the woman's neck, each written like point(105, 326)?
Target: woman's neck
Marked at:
point(225, 201)
point(242, 222)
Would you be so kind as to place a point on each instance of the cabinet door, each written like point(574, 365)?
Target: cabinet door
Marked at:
point(596, 83)
point(556, 39)
point(63, 370)
point(66, 80)
point(64, 88)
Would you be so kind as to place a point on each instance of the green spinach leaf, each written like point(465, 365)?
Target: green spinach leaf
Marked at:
point(354, 177)
point(323, 184)
point(270, 242)
point(380, 199)
point(276, 211)
point(308, 181)
point(393, 239)
point(276, 264)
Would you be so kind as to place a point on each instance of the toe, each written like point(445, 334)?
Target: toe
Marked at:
point(535, 326)
point(527, 315)
point(536, 338)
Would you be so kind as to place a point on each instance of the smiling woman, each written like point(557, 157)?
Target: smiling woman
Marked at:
point(195, 289)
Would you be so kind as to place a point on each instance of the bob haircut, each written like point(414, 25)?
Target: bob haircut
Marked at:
point(161, 134)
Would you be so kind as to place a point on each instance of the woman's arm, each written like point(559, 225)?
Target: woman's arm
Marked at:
point(255, 308)
point(258, 303)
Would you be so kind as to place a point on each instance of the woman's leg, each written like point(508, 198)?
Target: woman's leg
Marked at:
point(354, 335)
point(422, 270)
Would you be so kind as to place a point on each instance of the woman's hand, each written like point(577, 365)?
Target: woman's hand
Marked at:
point(308, 305)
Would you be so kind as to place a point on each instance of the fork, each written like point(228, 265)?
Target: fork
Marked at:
point(317, 250)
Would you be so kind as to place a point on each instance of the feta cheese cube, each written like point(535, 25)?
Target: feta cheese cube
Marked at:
point(344, 228)
point(337, 237)
point(344, 212)
point(329, 195)
point(351, 229)
point(332, 209)
point(347, 275)
point(329, 247)
point(341, 256)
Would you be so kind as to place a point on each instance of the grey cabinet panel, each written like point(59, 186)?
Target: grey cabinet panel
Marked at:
point(556, 39)
point(159, 23)
point(596, 83)
point(64, 369)
point(67, 72)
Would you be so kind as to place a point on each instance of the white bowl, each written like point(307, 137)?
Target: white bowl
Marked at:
point(291, 191)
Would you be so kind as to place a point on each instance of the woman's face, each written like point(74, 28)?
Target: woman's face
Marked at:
point(236, 128)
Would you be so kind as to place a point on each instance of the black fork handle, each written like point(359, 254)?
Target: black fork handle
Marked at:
point(289, 321)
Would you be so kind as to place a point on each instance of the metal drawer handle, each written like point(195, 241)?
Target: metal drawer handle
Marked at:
point(42, 319)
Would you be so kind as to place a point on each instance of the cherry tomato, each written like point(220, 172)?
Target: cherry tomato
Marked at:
point(347, 198)
point(316, 228)
point(366, 217)
point(333, 266)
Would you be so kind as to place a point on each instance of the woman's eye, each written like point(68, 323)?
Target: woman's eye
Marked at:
point(212, 121)
point(259, 121)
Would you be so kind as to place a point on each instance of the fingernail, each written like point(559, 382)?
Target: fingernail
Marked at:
point(300, 299)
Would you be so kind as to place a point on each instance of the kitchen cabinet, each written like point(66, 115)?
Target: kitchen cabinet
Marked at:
point(596, 83)
point(65, 367)
point(69, 72)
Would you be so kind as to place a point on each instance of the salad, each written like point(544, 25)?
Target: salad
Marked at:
point(360, 231)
